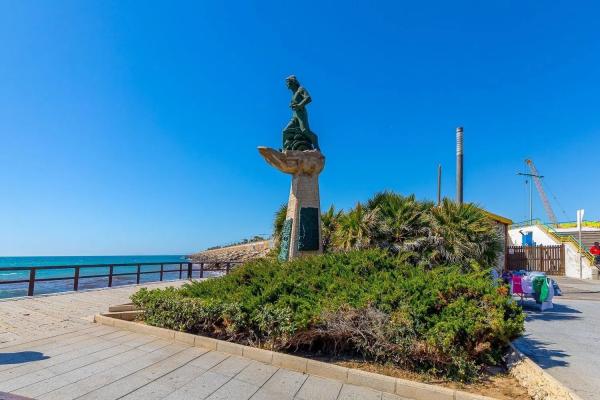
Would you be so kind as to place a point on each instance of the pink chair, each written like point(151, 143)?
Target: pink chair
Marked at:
point(517, 286)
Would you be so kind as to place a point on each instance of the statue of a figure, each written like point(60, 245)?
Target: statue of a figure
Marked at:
point(297, 134)
point(300, 157)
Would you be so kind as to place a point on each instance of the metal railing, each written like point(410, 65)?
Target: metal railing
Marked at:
point(523, 224)
point(558, 225)
point(573, 224)
point(181, 269)
point(568, 239)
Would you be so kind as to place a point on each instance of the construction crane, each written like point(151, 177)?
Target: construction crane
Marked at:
point(538, 183)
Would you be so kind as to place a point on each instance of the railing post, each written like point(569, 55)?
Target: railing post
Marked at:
point(201, 270)
point(76, 280)
point(110, 276)
point(139, 267)
point(180, 270)
point(227, 268)
point(189, 271)
point(31, 282)
point(162, 268)
point(563, 260)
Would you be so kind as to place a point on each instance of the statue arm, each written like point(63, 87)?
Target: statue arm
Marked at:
point(305, 98)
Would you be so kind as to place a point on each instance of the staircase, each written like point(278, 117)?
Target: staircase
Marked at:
point(587, 237)
point(567, 236)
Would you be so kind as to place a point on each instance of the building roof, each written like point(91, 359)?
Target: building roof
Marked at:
point(498, 218)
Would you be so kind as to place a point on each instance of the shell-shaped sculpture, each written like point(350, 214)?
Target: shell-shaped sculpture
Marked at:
point(294, 162)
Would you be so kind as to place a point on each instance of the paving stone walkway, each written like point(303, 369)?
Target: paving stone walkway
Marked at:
point(65, 356)
point(27, 318)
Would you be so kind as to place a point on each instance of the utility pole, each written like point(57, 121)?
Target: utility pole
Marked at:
point(439, 192)
point(529, 181)
point(580, 214)
point(530, 185)
point(459, 165)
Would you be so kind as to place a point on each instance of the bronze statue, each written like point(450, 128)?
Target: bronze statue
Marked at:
point(301, 158)
point(297, 134)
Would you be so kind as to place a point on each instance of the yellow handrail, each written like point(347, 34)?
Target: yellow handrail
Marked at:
point(568, 239)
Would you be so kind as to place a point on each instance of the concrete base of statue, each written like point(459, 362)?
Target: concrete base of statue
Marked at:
point(301, 233)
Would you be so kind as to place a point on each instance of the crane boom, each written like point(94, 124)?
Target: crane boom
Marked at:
point(540, 189)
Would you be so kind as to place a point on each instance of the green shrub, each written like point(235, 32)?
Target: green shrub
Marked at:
point(369, 303)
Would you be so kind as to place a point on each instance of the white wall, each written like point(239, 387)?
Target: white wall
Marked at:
point(572, 265)
point(540, 237)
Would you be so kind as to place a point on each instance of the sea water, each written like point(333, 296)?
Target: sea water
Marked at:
point(171, 262)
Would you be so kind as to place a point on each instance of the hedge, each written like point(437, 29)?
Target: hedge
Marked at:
point(367, 303)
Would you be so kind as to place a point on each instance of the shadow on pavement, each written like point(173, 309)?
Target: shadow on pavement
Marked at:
point(559, 312)
point(539, 352)
point(21, 357)
point(9, 396)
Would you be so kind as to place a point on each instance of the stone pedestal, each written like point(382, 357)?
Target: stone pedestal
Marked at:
point(302, 228)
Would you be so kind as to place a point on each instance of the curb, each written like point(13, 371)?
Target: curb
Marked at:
point(122, 307)
point(383, 383)
point(539, 383)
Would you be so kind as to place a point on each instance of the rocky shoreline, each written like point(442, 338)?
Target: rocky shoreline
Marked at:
point(238, 253)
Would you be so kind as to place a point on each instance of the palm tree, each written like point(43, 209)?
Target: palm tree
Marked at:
point(329, 224)
point(401, 223)
point(461, 233)
point(354, 229)
point(278, 222)
point(428, 235)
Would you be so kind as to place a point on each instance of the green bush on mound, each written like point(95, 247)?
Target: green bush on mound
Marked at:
point(442, 320)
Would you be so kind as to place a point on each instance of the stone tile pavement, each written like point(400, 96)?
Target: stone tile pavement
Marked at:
point(27, 318)
point(52, 350)
point(577, 289)
point(100, 362)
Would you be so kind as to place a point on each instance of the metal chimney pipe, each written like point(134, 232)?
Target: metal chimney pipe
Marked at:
point(459, 165)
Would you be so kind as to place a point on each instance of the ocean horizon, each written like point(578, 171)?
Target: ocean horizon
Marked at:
point(20, 289)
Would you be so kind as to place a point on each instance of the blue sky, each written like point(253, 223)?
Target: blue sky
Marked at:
point(131, 127)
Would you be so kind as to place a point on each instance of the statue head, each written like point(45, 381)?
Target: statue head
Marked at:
point(292, 82)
